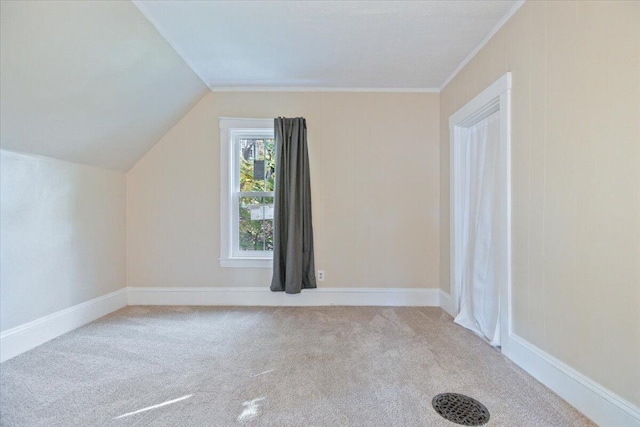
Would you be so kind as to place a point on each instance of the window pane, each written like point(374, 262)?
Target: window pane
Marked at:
point(257, 164)
point(255, 228)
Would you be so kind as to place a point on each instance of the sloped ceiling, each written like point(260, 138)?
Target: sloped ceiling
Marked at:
point(88, 82)
point(328, 44)
point(99, 82)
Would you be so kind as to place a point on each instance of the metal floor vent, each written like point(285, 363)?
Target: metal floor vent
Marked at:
point(461, 409)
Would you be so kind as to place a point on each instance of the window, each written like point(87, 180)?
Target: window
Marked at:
point(246, 198)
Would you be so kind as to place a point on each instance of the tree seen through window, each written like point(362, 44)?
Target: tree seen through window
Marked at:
point(257, 177)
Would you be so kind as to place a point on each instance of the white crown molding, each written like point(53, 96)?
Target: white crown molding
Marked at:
point(262, 296)
point(29, 335)
point(322, 89)
point(484, 41)
point(599, 404)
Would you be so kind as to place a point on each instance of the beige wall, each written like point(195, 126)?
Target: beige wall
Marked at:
point(576, 180)
point(374, 170)
point(63, 235)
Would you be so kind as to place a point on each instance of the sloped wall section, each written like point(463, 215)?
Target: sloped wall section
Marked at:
point(91, 82)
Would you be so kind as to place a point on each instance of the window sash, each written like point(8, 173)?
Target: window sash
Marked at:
point(236, 252)
point(236, 194)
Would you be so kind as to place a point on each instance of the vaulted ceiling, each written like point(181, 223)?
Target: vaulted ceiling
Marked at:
point(89, 82)
point(100, 82)
point(330, 44)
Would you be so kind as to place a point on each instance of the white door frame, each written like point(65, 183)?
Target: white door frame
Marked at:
point(496, 97)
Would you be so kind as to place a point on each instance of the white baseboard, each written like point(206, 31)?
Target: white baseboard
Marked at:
point(446, 303)
point(264, 297)
point(27, 336)
point(22, 338)
point(596, 402)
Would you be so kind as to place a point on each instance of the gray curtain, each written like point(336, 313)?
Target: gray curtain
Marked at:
point(293, 265)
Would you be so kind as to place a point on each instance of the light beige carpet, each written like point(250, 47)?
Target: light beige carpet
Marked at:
point(325, 366)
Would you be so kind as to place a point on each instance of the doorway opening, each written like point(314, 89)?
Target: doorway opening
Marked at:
point(480, 214)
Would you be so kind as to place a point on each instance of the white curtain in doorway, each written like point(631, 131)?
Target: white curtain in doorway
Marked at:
point(477, 228)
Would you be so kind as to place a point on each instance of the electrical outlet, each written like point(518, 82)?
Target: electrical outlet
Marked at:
point(320, 275)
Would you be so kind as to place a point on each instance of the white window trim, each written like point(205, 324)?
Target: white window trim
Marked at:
point(229, 129)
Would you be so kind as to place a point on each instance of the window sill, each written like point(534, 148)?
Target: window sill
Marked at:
point(247, 262)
